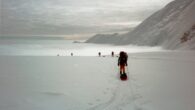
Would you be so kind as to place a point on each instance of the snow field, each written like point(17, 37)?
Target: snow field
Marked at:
point(157, 81)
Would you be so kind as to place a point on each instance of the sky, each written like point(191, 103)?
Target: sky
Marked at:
point(73, 18)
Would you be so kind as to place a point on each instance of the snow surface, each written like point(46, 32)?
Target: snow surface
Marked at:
point(164, 28)
point(157, 81)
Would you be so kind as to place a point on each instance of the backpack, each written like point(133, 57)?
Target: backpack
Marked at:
point(123, 57)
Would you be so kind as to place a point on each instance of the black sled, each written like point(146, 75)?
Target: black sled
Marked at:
point(123, 76)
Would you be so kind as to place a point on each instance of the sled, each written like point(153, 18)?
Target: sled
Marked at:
point(123, 76)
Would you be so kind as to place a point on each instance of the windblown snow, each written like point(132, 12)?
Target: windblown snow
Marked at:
point(167, 28)
point(157, 81)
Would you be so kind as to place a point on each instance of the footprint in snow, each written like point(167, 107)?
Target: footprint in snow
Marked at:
point(52, 93)
point(105, 92)
point(98, 100)
point(137, 96)
point(90, 104)
point(107, 89)
point(138, 108)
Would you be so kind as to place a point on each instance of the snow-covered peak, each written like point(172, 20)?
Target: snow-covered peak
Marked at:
point(164, 28)
point(104, 38)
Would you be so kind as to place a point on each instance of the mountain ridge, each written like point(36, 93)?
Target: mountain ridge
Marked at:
point(164, 28)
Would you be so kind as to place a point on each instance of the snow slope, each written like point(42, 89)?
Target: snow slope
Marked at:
point(157, 81)
point(164, 28)
point(104, 38)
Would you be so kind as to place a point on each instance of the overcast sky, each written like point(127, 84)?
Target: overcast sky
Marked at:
point(73, 17)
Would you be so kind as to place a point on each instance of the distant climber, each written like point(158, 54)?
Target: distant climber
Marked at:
point(99, 54)
point(71, 54)
point(122, 61)
point(112, 54)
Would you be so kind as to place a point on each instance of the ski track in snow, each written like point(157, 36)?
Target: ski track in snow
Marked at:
point(126, 95)
point(123, 97)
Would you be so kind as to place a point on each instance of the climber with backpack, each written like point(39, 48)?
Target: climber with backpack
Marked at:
point(122, 62)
